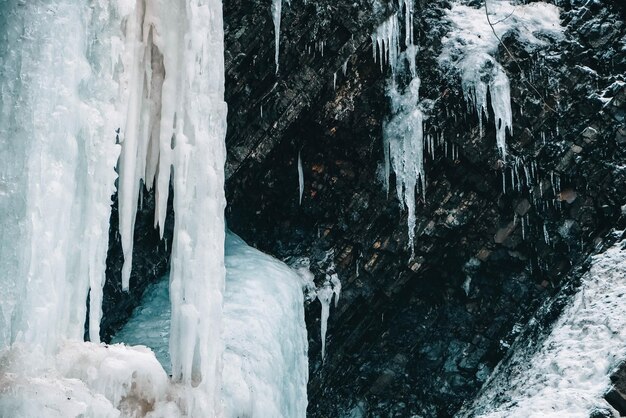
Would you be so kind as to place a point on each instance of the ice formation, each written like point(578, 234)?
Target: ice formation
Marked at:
point(325, 296)
point(403, 136)
point(119, 66)
point(386, 42)
point(54, 216)
point(569, 373)
point(471, 45)
point(265, 359)
point(403, 141)
point(277, 6)
point(300, 178)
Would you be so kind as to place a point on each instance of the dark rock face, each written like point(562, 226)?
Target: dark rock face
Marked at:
point(616, 396)
point(406, 337)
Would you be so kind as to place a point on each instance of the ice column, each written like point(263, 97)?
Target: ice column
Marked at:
point(57, 172)
point(173, 61)
point(483, 75)
point(403, 143)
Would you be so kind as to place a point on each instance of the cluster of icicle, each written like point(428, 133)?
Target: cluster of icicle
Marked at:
point(175, 125)
point(472, 43)
point(142, 80)
point(403, 136)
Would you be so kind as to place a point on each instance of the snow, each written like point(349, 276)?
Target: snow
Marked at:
point(471, 45)
point(84, 379)
point(265, 358)
point(569, 373)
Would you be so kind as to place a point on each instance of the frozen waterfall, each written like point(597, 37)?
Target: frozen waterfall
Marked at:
point(83, 84)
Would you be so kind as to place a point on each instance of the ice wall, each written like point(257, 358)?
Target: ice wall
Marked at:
point(58, 116)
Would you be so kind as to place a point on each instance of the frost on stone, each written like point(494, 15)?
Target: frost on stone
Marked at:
point(470, 46)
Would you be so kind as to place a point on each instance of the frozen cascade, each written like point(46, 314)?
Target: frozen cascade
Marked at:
point(137, 82)
point(569, 373)
point(471, 45)
point(265, 365)
point(177, 118)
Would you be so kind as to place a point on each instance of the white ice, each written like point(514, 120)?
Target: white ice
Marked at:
point(569, 374)
point(58, 115)
point(300, 178)
point(470, 45)
point(76, 78)
point(265, 358)
point(403, 141)
point(325, 296)
point(276, 7)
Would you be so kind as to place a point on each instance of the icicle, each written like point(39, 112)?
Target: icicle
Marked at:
point(334, 279)
point(300, 177)
point(344, 67)
point(546, 236)
point(276, 14)
point(503, 180)
point(324, 295)
point(386, 38)
point(335, 81)
point(261, 111)
point(403, 135)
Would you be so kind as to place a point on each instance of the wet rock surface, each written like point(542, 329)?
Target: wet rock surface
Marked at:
point(412, 335)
